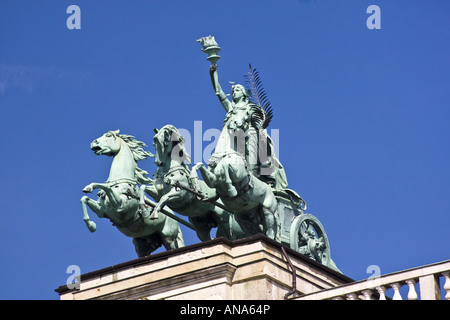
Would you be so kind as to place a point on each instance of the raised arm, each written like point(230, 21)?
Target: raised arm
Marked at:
point(218, 89)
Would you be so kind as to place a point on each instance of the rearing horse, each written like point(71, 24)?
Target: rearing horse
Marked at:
point(252, 201)
point(118, 198)
point(172, 187)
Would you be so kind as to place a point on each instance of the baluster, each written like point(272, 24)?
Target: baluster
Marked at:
point(412, 294)
point(367, 294)
point(352, 296)
point(446, 274)
point(338, 298)
point(381, 290)
point(396, 286)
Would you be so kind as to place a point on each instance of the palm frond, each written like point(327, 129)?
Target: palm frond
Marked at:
point(263, 112)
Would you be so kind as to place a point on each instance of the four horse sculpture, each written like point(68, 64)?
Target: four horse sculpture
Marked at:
point(243, 191)
point(118, 197)
point(230, 197)
point(172, 187)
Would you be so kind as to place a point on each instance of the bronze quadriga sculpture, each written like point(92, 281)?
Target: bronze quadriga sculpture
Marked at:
point(243, 190)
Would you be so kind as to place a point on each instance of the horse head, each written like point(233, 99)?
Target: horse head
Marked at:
point(169, 145)
point(108, 144)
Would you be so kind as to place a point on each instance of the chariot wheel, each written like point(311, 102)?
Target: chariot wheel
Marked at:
point(308, 237)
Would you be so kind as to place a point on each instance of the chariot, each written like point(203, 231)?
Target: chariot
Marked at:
point(301, 231)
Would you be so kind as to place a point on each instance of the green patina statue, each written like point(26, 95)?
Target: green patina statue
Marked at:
point(244, 190)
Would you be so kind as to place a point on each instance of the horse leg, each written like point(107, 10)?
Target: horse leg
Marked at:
point(143, 208)
point(271, 218)
point(209, 177)
point(95, 207)
point(249, 227)
point(224, 221)
point(146, 245)
point(142, 196)
point(231, 190)
point(271, 228)
point(112, 197)
point(201, 226)
point(236, 230)
point(140, 245)
point(168, 197)
point(171, 234)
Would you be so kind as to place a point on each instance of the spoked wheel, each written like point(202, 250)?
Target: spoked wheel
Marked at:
point(308, 237)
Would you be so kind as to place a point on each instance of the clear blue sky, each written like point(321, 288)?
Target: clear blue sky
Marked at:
point(363, 117)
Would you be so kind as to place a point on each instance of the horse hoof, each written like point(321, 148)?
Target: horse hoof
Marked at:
point(154, 216)
point(91, 226)
point(232, 192)
point(87, 189)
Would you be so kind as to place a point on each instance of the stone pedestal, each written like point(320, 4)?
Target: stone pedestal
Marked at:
point(255, 268)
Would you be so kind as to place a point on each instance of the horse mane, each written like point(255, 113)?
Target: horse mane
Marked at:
point(138, 154)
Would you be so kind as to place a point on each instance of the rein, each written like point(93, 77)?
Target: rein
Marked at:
point(177, 168)
point(118, 181)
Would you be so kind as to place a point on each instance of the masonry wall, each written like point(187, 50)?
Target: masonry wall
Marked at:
point(253, 268)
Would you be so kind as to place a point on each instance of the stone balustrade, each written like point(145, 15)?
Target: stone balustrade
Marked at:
point(431, 282)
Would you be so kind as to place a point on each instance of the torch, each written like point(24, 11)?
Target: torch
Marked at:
point(211, 48)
